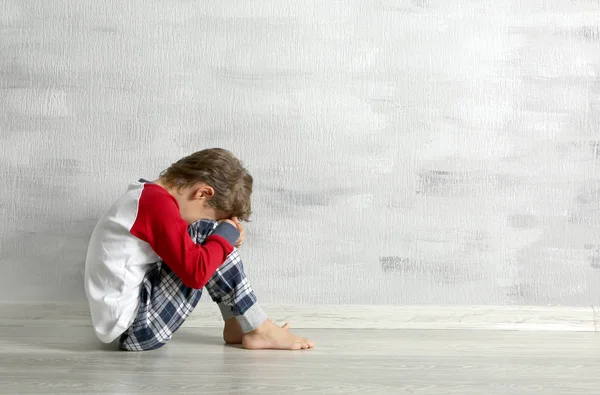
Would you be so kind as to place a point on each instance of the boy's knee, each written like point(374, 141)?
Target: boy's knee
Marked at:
point(199, 230)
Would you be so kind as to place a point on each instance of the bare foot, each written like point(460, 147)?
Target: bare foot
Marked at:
point(232, 331)
point(270, 336)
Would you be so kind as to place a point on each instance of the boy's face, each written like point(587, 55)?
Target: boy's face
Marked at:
point(193, 204)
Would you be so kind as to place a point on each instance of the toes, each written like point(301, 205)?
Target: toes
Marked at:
point(310, 343)
point(300, 346)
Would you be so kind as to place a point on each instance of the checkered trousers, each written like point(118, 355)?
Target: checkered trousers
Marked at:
point(165, 302)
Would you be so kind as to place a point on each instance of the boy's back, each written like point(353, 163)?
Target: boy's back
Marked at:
point(115, 266)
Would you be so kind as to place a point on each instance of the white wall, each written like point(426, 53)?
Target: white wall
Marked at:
point(460, 138)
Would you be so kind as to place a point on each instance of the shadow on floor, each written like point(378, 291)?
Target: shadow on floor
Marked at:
point(82, 339)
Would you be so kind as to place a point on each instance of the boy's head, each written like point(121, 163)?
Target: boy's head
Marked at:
point(209, 184)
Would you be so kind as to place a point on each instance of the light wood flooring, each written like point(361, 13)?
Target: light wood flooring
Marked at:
point(62, 360)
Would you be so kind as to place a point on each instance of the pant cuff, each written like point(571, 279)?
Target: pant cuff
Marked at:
point(226, 312)
point(252, 318)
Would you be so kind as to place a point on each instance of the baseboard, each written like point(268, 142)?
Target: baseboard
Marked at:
point(520, 318)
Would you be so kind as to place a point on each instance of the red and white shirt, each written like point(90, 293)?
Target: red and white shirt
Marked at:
point(143, 226)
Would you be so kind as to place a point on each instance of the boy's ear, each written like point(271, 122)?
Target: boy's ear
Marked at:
point(205, 191)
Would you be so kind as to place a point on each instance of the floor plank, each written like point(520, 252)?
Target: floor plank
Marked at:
point(70, 361)
point(207, 315)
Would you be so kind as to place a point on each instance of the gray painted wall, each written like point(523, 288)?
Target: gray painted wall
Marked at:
point(404, 151)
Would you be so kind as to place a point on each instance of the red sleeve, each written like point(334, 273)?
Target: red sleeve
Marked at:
point(159, 223)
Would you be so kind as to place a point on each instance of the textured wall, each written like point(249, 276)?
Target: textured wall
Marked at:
point(404, 151)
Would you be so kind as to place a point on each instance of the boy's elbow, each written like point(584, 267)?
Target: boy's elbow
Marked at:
point(195, 282)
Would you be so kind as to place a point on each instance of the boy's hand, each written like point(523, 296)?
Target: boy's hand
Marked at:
point(242, 231)
point(236, 222)
point(228, 221)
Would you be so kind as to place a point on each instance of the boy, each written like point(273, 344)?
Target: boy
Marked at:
point(161, 242)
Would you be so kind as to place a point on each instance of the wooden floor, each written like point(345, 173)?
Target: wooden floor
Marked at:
point(52, 360)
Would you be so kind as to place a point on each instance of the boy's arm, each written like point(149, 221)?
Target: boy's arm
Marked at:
point(160, 224)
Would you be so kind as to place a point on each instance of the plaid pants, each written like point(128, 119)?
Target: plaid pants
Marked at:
point(165, 302)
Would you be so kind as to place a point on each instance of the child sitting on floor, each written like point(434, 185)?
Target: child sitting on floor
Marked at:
point(161, 242)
